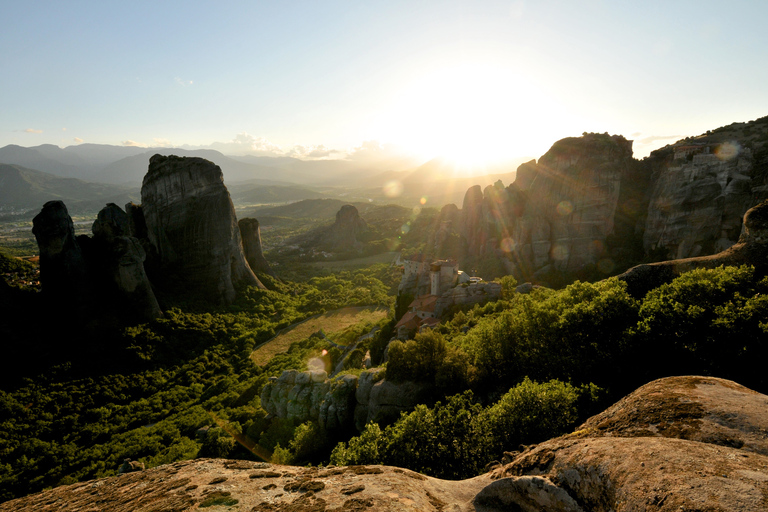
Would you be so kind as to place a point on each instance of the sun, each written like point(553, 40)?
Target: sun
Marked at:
point(473, 114)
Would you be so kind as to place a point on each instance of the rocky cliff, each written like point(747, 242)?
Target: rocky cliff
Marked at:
point(342, 403)
point(751, 249)
point(184, 238)
point(341, 237)
point(680, 443)
point(251, 236)
point(587, 209)
point(86, 277)
point(192, 225)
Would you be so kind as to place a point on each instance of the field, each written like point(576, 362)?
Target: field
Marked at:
point(330, 322)
point(384, 257)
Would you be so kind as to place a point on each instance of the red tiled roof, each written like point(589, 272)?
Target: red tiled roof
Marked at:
point(424, 303)
point(409, 320)
point(430, 322)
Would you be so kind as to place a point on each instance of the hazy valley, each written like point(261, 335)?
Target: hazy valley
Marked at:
point(496, 320)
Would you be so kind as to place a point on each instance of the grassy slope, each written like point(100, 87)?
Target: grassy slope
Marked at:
point(331, 322)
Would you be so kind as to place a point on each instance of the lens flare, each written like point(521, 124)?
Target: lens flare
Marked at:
point(316, 364)
point(507, 244)
point(560, 252)
point(565, 208)
point(393, 188)
point(606, 265)
point(728, 151)
point(423, 200)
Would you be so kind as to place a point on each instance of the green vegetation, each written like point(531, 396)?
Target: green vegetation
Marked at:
point(457, 439)
point(511, 372)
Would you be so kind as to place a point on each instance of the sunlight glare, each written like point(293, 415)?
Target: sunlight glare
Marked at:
point(472, 114)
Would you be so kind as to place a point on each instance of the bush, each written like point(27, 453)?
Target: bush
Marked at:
point(457, 438)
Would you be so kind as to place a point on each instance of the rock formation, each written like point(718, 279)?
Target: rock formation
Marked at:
point(191, 223)
point(341, 237)
point(184, 238)
point(697, 203)
point(103, 274)
point(63, 271)
point(466, 294)
point(751, 249)
point(555, 218)
point(587, 208)
point(117, 260)
point(341, 403)
point(680, 443)
point(251, 236)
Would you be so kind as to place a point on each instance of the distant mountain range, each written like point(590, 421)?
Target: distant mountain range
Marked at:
point(23, 189)
point(127, 165)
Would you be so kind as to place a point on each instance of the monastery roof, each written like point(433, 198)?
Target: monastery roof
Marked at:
point(409, 320)
point(424, 303)
point(430, 322)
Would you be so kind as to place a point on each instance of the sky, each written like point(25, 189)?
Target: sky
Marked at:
point(473, 81)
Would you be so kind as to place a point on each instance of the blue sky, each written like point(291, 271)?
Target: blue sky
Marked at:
point(469, 80)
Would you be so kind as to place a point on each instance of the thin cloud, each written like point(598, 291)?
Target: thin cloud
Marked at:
point(32, 130)
point(246, 144)
point(162, 143)
point(311, 152)
point(134, 144)
point(183, 83)
point(78, 140)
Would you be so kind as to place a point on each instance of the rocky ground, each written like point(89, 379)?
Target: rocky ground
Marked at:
point(675, 444)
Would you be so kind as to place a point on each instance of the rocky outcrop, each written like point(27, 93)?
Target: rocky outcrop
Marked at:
point(556, 218)
point(680, 443)
point(570, 204)
point(587, 209)
point(466, 294)
point(63, 271)
point(305, 396)
point(751, 249)
point(251, 237)
point(191, 223)
point(344, 402)
point(698, 201)
point(103, 275)
point(340, 238)
point(117, 259)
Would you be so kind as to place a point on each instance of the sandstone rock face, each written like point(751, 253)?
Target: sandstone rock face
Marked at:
point(467, 294)
point(344, 402)
point(118, 262)
point(342, 236)
point(191, 222)
point(571, 203)
point(680, 443)
point(251, 236)
point(587, 207)
point(557, 215)
point(697, 204)
point(63, 271)
point(305, 396)
point(751, 249)
point(102, 275)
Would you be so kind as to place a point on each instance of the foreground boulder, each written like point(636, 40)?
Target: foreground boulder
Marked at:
point(192, 225)
point(675, 444)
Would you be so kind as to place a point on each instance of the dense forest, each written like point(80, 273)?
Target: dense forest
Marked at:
point(76, 401)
